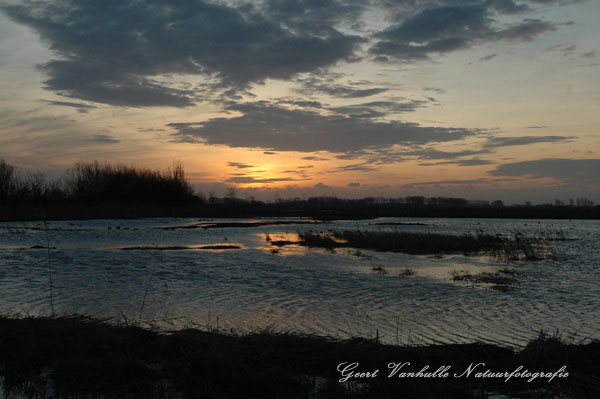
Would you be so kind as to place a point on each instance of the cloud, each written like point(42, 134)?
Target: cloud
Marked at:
point(446, 182)
point(508, 6)
point(313, 86)
point(574, 171)
point(301, 103)
point(393, 155)
point(267, 126)
point(314, 158)
point(317, 17)
point(353, 184)
point(150, 129)
point(488, 57)
point(565, 49)
point(447, 28)
point(557, 2)
point(99, 82)
point(322, 186)
point(377, 109)
point(527, 30)
point(104, 139)
point(112, 52)
point(239, 165)
point(134, 53)
point(590, 54)
point(250, 179)
point(434, 89)
point(495, 142)
point(269, 153)
point(460, 162)
point(81, 107)
point(358, 167)
point(473, 162)
point(431, 153)
point(299, 172)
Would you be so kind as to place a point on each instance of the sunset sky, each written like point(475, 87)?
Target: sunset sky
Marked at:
point(481, 99)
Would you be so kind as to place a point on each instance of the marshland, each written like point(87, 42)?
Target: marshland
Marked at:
point(277, 287)
point(248, 279)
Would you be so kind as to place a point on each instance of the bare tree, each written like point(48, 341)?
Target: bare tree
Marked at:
point(7, 180)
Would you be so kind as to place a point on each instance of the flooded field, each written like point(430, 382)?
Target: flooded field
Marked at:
point(247, 274)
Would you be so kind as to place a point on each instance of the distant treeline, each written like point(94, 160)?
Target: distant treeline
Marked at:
point(95, 190)
point(328, 208)
point(92, 182)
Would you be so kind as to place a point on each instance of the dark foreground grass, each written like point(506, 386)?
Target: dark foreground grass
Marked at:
point(508, 248)
point(80, 357)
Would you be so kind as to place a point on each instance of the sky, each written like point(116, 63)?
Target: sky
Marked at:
point(479, 99)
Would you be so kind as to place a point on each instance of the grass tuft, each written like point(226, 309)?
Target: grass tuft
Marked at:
point(502, 280)
point(407, 273)
point(379, 270)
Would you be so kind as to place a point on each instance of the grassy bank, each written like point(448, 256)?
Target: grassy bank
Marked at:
point(509, 248)
point(77, 357)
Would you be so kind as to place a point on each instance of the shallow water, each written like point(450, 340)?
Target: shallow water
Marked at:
point(300, 289)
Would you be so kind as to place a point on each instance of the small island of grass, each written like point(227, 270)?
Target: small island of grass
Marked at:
point(508, 248)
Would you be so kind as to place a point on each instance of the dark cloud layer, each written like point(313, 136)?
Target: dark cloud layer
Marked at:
point(314, 16)
point(508, 6)
point(268, 126)
point(120, 52)
point(557, 2)
point(453, 26)
point(110, 51)
point(494, 142)
point(393, 155)
point(574, 171)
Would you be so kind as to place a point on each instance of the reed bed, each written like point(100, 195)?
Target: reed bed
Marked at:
point(510, 248)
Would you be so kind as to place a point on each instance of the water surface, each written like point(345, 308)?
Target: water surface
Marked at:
point(256, 286)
